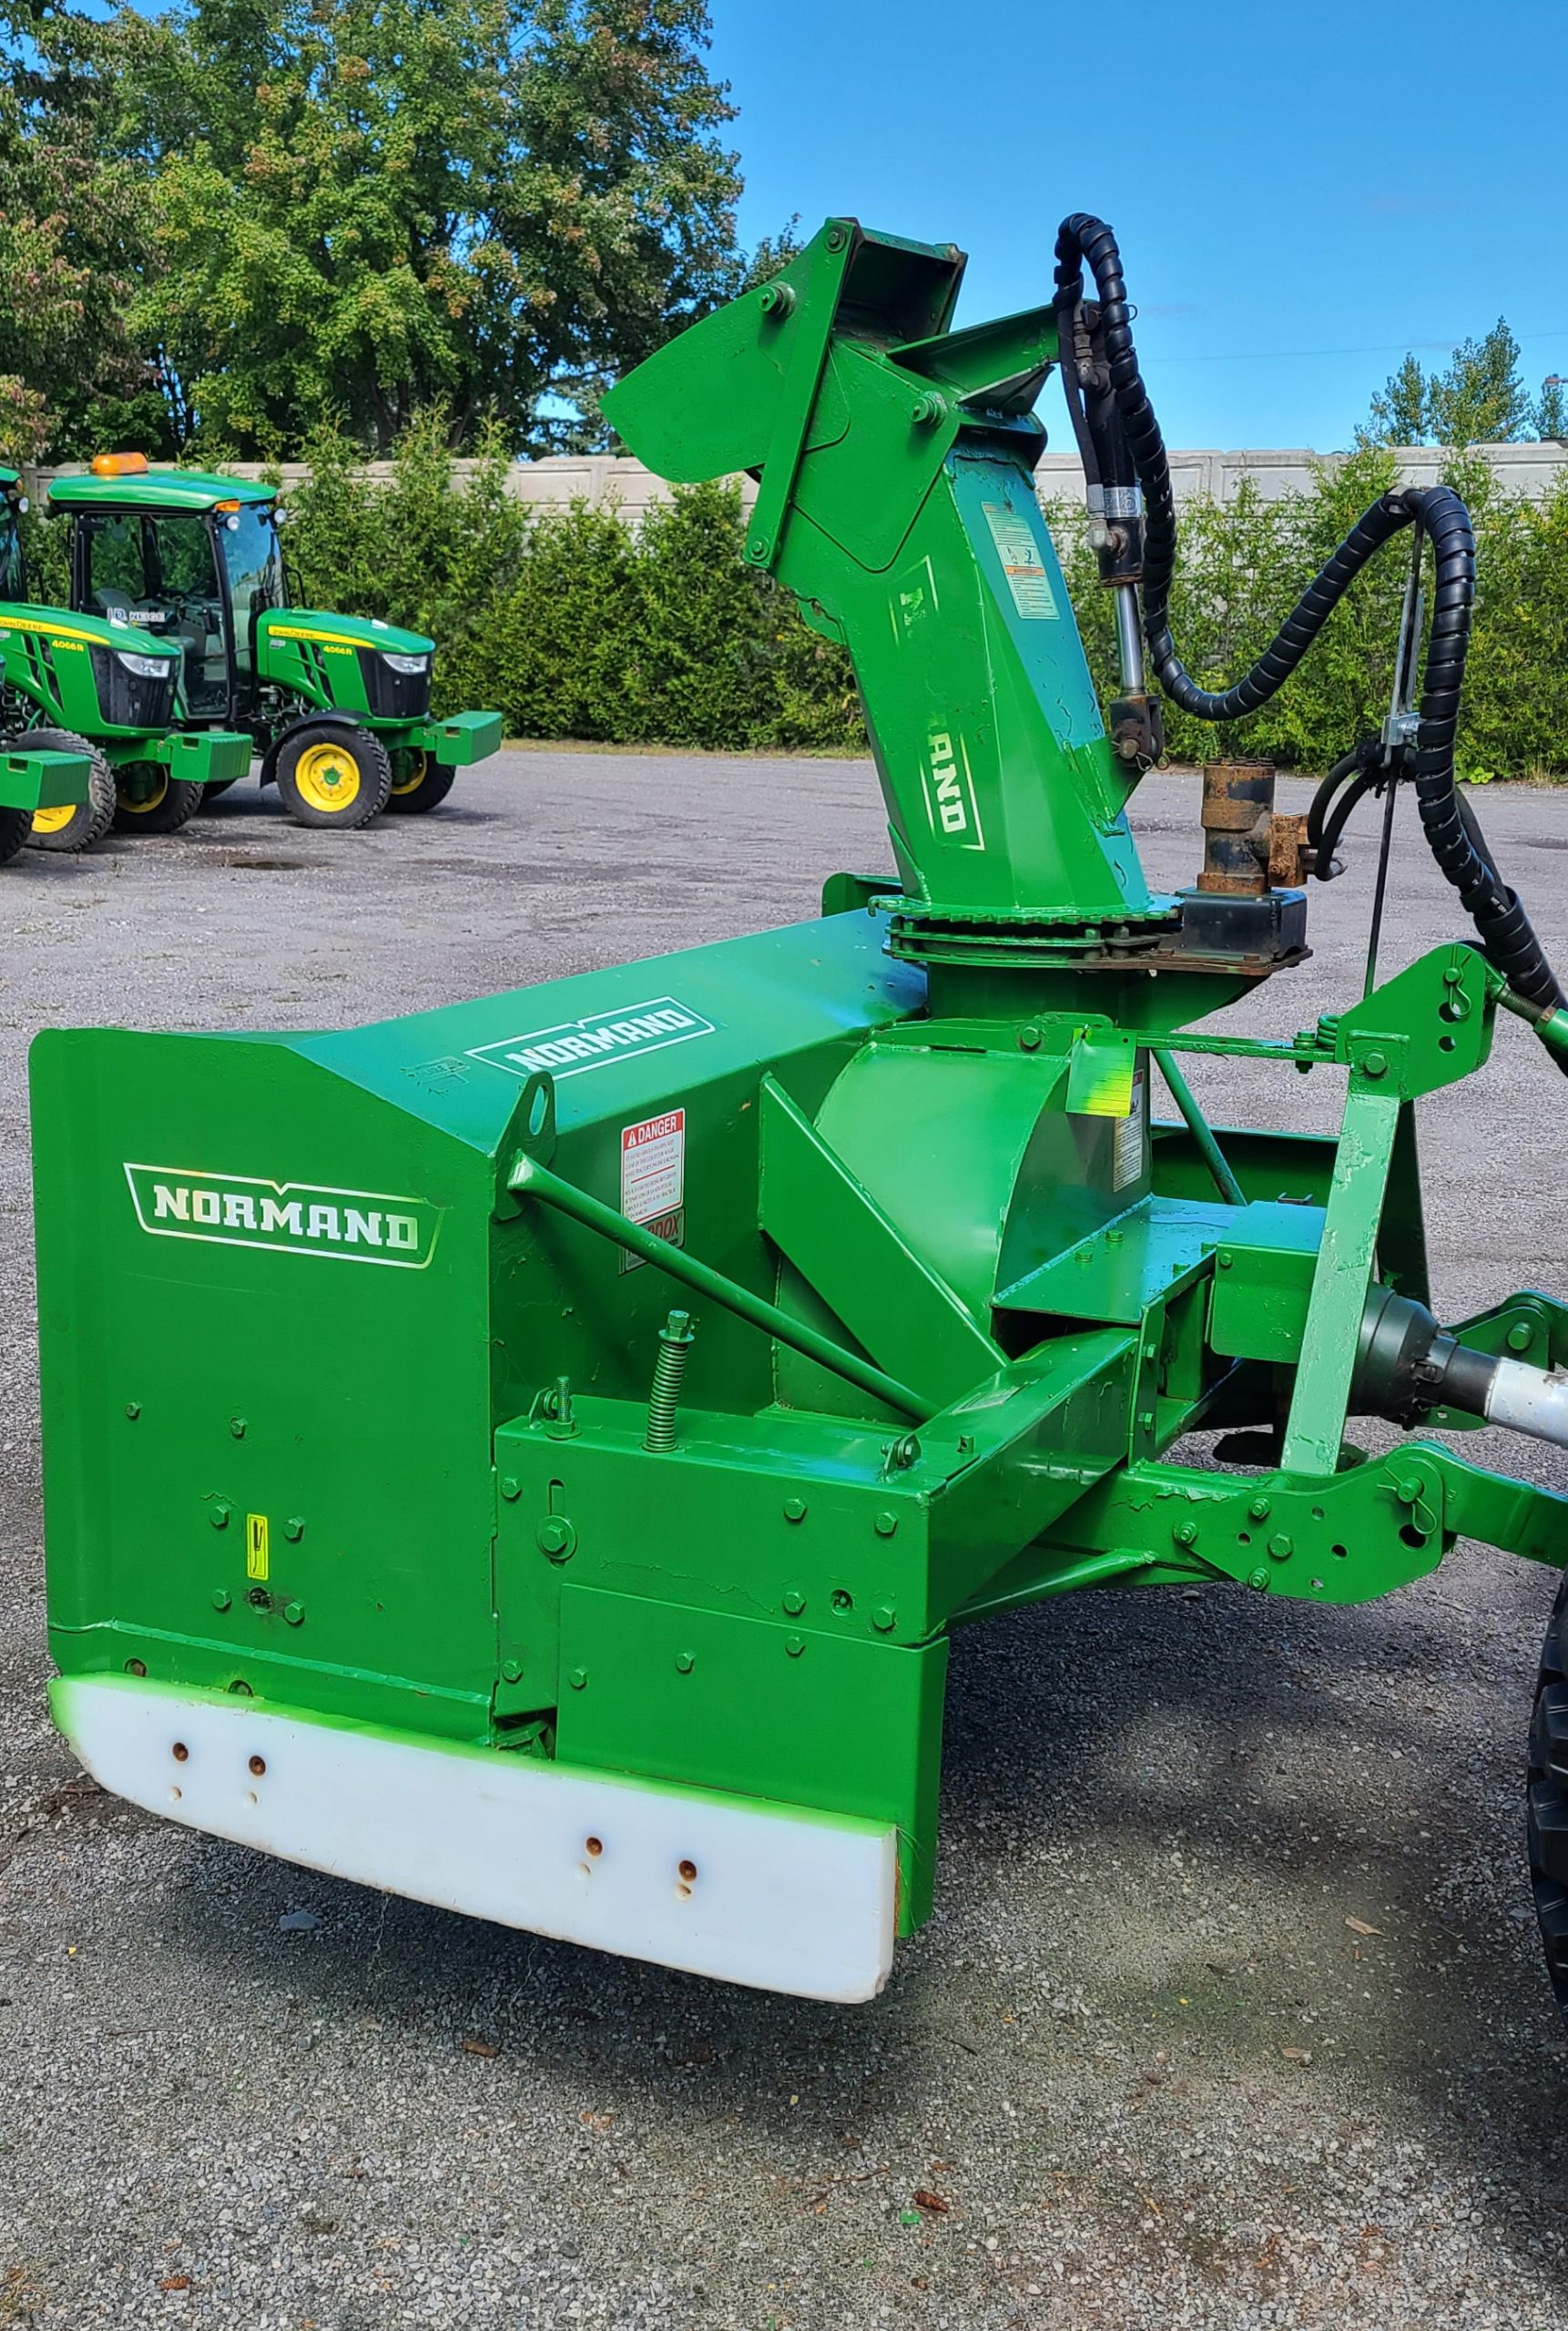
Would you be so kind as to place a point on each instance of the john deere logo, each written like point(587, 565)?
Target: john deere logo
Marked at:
point(579, 1045)
point(293, 1218)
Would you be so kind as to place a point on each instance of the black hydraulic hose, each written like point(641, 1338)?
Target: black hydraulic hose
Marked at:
point(1451, 827)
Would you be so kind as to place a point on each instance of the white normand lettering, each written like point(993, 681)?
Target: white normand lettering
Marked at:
point(575, 1046)
point(298, 1218)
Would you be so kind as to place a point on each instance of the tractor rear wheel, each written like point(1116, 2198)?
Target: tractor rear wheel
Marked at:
point(419, 783)
point(1548, 1787)
point(148, 800)
point(75, 825)
point(330, 775)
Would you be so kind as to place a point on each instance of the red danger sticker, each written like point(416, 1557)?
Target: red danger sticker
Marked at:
point(653, 1167)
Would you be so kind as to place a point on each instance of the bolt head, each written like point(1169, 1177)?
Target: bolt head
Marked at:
point(221, 1598)
point(512, 1671)
point(794, 1601)
point(1374, 1064)
point(1225, 1262)
point(1281, 1546)
point(794, 1508)
point(294, 1528)
point(1029, 1040)
point(1258, 1510)
point(579, 1679)
point(885, 1523)
point(218, 1515)
point(237, 1427)
point(1258, 1581)
point(294, 1612)
point(1184, 1533)
point(685, 1661)
point(884, 1618)
point(509, 1488)
point(133, 1410)
point(794, 1645)
point(555, 1536)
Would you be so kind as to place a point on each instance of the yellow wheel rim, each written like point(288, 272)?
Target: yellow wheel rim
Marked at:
point(134, 807)
point(54, 821)
point(327, 776)
point(421, 771)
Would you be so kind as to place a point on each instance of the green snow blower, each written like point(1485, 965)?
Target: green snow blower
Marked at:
point(337, 706)
point(781, 1306)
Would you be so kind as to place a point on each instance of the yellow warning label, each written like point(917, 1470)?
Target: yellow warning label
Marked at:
point(257, 1563)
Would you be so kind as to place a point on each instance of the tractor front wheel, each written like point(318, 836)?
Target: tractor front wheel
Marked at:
point(75, 825)
point(419, 782)
point(149, 800)
point(1548, 1785)
point(332, 776)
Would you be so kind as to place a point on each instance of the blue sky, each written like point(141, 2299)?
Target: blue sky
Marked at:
point(1300, 194)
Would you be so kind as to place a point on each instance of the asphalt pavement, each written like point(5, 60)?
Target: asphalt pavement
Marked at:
point(1231, 2012)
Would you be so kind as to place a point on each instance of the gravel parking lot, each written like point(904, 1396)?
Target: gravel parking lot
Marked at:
point(1231, 2012)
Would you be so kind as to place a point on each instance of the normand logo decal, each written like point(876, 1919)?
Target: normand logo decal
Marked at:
point(577, 1046)
point(289, 1217)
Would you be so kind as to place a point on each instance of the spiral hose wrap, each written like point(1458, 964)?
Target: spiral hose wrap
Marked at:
point(1449, 825)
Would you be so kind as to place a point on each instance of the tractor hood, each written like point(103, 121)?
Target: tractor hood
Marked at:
point(92, 631)
point(320, 630)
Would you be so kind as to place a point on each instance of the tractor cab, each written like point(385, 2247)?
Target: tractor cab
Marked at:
point(189, 559)
point(13, 564)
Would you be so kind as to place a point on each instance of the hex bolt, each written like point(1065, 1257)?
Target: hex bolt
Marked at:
point(1521, 1336)
point(929, 411)
point(512, 1671)
point(237, 1427)
point(218, 1515)
point(903, 1452)
point(794, 1645)
point(885, 1523)
point(294, 1612)
point(1227, 1262)
point(557, 1538)
point(1258, 1510)
point(1258, 1581)
point(794, 1508)
point(777, 300)
point(884, 1618)
point(794, 1601)
point(221, 1598)
point(1374, 1064)
point(1029, 1039)
point(837, 239)
point(685, 1662)
point(510, 1488)
point(1145, 1420)
point(133, 1410)
point(579, 1679)
point(294, 1528)
point(675, 1341)
point(1280, 1547)
point(1184, 1533)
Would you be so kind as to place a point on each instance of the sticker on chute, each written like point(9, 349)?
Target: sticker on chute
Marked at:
point(653, 1178)
point(1023, 562)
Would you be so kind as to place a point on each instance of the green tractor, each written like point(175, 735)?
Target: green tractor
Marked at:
point(86, 687)
point(337, 706)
